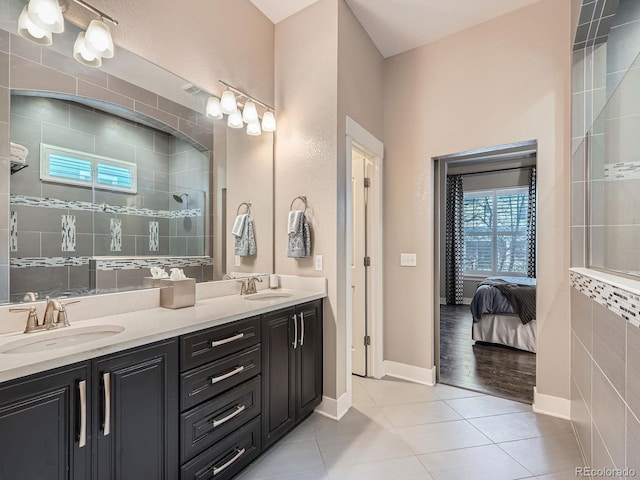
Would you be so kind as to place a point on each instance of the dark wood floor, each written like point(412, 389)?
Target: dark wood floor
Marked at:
point(496, 370)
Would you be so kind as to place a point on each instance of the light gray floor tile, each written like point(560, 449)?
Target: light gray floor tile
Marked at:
point(485, 406)
point(293, 458)
point(419, 413)
point(447, 392)
point(437, 437)
point(544, 455)
point(403, 395)
point(569, 475)
point(478, 463)
point(362, 453)
point(518, 426)
point(331, 442)
point(406, 468)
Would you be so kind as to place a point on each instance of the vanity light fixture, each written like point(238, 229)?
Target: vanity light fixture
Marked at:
point(42, 18)
point(241, 113)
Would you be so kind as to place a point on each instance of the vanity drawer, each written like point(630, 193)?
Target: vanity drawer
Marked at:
point(207, 424)
point(205, 346)
point(202, 383)
point(227, 457)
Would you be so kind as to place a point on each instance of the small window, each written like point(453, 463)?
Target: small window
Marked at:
point(71, 167)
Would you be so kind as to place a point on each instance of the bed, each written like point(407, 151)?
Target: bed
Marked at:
point(503, 310)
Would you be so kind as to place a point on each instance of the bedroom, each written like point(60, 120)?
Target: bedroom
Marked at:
point(487, 326)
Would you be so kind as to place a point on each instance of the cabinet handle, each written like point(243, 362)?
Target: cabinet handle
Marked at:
point(217, 343)
point(302, 328)
point(82, 389)
point(106, 380)
point(221, 468)
point(233, 372)
point(239, 409)
point(295, 331)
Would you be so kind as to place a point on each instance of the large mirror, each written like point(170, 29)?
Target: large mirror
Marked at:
point(123, 172)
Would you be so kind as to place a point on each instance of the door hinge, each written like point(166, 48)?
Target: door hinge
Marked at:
point(367, 261)
point(367, 340)
point(367, 182)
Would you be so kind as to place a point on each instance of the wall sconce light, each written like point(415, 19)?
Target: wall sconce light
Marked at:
point(240, 113)
point(42, 18)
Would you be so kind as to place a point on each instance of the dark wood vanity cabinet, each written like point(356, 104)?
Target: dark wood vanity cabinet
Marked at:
point(292, 363)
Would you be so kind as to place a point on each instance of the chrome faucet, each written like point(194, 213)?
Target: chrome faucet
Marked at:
point(55, 316)
point(251, 284)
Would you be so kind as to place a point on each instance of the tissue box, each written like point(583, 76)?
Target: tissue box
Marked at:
point(151, 282)
point(177, 293)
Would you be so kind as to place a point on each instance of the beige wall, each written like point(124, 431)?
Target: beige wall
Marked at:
point(500, 82)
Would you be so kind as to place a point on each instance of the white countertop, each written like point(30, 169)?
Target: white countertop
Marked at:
point(146, 326)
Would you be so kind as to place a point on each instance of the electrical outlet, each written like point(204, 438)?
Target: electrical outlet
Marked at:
point(237, 260)
point(408, 260)
point(318, 263)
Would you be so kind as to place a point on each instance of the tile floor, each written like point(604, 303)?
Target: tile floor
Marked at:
point(403, 431)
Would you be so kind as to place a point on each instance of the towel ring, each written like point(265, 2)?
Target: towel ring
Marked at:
point(300, 197)
point(246, 204)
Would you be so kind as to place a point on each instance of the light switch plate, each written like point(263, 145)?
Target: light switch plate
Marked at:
point(237, 260)
point(408, 260)
point(318, 263)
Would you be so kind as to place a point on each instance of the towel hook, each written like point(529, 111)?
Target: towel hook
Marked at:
point(299, 197)
point(246, 204)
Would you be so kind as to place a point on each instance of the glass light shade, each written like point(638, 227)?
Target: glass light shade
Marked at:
point(213, 108)
point(253, 128)
point(47, 15)
point(228, 102)
point(249, 112)
point(269, 122)
point(235, 120)
point(30, 31)
point(83, 55)
point(98, 39)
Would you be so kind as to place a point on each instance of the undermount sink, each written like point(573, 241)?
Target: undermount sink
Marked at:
point(54, 339)
point(266, 295)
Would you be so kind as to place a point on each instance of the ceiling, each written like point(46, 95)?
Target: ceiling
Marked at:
point(396, 26)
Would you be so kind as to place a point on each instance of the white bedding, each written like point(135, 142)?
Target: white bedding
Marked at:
point(506, 330)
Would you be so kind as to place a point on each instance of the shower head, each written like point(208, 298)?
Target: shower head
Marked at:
point(178, 196)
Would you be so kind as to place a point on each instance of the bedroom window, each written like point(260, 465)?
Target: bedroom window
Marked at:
point(495, 232)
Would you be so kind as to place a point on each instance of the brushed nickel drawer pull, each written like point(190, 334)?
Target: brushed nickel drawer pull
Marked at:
point(295, 331)
point(217, 343)
point(302, 328)
point(239, 409)
point(82, 388)
point(233, 372)
point(106, 378)
point(220, 469)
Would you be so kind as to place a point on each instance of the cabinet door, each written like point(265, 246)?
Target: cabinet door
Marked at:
point(136, 419)
point(40, 426)
point(309, 358)
point(278, 360)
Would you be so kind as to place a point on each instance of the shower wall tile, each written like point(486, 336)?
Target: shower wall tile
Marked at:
point(33, 76)
point(609, 345)
point(132, 91)
point(609, 416)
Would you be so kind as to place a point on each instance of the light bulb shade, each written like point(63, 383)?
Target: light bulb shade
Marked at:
point(249, 112)
point(235, 120)
point(253, 128)
point(213, 108)
point(268, 122)
point(228, 102)
point(98, 39)
point(47, 15)
point(83, 55)
point(30, 31)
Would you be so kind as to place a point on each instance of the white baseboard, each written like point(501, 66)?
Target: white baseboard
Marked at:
point(550, 405)
point(334, 409)
point(425, 376)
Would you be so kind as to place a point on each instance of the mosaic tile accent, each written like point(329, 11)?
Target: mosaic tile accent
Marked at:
point(146, 262)
point(154, 236)
point(621, 171)
point(619, 301)
point(13, 232)
point(101, 207)
point(26, 262)
point(68, 233)
point(115, 226)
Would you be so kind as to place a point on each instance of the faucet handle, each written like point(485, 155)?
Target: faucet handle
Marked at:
point(63, 318)
point(32, 319)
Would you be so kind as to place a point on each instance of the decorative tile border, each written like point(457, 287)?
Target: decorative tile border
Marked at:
point(132, 263)
point(621, 171)
point(28, 262)
point(103, 207)
point(13, 232)
point(619, 301)
point(154, 236)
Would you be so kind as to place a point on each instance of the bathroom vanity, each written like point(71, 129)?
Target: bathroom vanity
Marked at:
point(192, 393)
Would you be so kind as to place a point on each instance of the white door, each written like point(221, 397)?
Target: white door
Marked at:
point(359, 284)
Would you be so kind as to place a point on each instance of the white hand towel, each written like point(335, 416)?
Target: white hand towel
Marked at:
point(294, 220)
point(238, 225)
point(18, 153)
